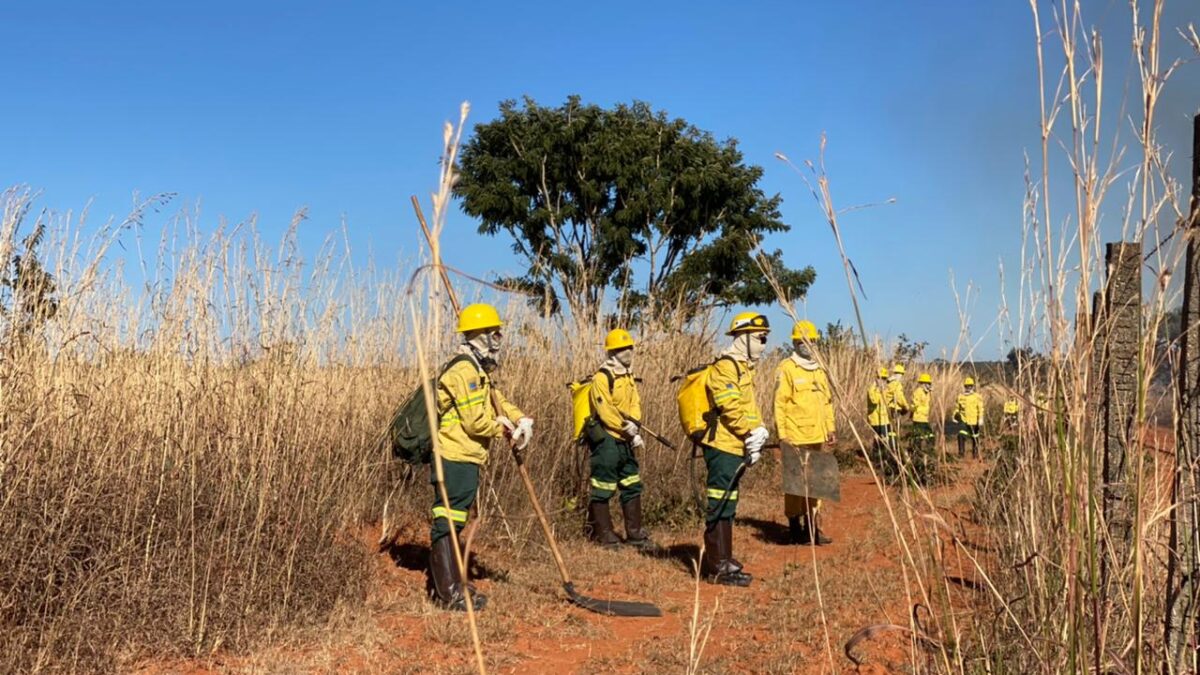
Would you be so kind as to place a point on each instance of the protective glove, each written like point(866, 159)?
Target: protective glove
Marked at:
point(757, 438)
point(637, 441)
point(629, 428)
point(523, 433)
point(754, 456)
point(506, 424)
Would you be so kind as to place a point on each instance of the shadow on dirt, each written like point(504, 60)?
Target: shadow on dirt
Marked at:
point(415, 557)
point(769, 531)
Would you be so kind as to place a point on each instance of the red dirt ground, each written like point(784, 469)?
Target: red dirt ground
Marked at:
point(777, 625)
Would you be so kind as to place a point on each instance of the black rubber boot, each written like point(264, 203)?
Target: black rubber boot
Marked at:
point(728, 538)
point(962, 447)
point(724, 570)
point(599, 527)
point(797, 530)
point(447, 589)
point(634, 534)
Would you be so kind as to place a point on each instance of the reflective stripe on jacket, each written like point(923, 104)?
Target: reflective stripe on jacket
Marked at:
point(803, 404)
point(467, 421)
point(731, 389)
point(608, 403)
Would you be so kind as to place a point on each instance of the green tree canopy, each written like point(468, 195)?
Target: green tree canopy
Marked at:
point(623, 200)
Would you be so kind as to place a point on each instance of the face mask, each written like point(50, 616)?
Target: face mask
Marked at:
point(486, 349)
point(756, 345)
point(625, 357)
point(803, 350)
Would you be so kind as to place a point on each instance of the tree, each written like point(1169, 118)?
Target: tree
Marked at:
point(625, 200)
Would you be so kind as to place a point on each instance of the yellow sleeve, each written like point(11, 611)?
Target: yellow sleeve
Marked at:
point(602, 404)
point(635, 400)
point(901, 399)
point(827, 391)
point(738, 413)
point(783, 395)
point(469, 396)
point(509, 410)
point(960, 407)
point(874, 398)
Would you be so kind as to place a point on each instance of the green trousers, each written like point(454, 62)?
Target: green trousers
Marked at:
point(462, 482)
point(614, 467)
point(722, 467)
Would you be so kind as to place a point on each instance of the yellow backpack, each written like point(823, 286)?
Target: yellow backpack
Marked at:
point(697, 413)
point(581, 402)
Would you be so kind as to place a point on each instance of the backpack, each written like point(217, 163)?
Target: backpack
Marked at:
point(410, 435)
point(581, 402)
point(697, 413)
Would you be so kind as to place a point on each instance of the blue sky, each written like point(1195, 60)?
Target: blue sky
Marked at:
point(264, 108)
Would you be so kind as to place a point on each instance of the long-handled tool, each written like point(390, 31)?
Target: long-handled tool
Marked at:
point(610, 607)
point(650, 432)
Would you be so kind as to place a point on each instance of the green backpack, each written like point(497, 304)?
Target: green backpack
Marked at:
point(409, 430)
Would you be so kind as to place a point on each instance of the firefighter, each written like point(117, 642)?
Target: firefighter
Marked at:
point(737, 437)
point(467, 424)
point(920, 408)
point(612, 433)
point(1012, 412)
point(897, 403)
point(968, 412)
point(804, 419)
point(877, 412)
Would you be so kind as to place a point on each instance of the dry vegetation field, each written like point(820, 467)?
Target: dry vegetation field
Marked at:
point(188, 479)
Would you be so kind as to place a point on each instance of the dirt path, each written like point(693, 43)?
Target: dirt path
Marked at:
point(803, 606)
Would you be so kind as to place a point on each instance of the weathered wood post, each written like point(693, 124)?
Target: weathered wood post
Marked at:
point(1181, 616)
point(1120, 331)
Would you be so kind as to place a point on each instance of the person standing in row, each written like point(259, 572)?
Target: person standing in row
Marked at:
point(737, 436)
point(897, 403)
point(612, 433)
point(805, 423)
point(467, 424)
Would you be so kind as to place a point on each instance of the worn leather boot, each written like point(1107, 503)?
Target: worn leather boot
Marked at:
point(727, 538)
point(444, 573)
point(600, 529)
point(634, 534)
point(710, 562)
point(818, 537)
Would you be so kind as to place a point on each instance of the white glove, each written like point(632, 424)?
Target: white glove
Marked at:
point(509, 427)
point(754, 456)
point(637, 441)
point(757, 439)
point(523, 433)
point(629, 428)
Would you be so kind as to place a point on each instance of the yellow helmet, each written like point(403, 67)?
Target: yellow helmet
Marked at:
point(617, 338)
point(898, 369)
point(925, 379)
point(883, 372)
point(749, 322)
point(969, 382)
point(804, 330)
point(478, 317)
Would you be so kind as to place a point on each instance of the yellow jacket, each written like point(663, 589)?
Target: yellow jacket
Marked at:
point(1012, 407)
point(877, 412)
point(896, 402)
point(466, 419)
point(731, 388)
point(920, 405)
point(611, 395)
point(803, 403)
point(969, 409)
